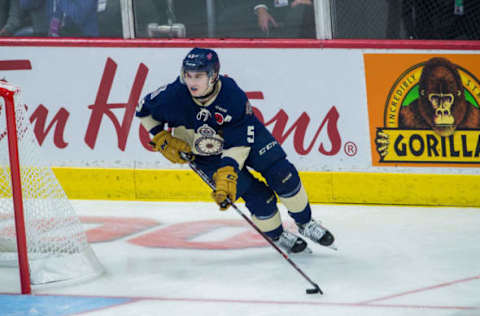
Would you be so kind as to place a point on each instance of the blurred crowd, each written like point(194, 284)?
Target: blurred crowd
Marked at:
point(414, 19)
point(103, 18)
point(49, 18)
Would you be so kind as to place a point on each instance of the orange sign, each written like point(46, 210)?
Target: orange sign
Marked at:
point(424, 109)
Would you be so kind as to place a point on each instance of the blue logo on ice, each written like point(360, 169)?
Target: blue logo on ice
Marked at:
point(13, 305)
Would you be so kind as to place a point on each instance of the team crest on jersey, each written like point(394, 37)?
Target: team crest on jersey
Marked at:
point(207, 143)
point(206, 131)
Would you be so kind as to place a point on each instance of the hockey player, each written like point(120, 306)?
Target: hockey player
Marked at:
point(210, 117)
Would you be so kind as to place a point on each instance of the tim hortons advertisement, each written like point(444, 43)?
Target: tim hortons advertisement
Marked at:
point(424, 111)
point(81, 101)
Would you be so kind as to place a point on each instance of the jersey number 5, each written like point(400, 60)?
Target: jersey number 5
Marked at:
point(250, 134)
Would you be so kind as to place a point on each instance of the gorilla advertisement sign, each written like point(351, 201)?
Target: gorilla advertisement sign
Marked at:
point(424, 109)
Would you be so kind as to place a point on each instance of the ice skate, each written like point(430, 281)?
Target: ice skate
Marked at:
point(292, 243)
point(317, 233)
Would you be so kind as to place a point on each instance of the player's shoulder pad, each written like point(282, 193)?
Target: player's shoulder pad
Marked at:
point(164, 92)
point(229, 84)
point(237, 97)
point(162, 95)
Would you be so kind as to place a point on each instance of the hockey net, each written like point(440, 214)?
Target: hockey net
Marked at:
point(56, 245)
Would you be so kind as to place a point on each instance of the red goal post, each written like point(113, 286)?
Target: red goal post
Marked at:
point(39, 230)
point(8, 92)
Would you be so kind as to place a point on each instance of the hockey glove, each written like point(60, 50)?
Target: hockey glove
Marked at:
point(225, 186)
point(170, 146)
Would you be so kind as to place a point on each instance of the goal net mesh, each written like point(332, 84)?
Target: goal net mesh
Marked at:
point(57, 245)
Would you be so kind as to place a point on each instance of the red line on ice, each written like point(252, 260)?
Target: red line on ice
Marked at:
point(428, 288)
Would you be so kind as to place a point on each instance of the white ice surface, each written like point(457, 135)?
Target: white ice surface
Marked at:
point(391, 261)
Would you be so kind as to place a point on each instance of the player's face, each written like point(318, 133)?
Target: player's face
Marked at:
point(197, 83)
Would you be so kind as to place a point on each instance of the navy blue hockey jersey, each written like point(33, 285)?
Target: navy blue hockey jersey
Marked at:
point(224, 126)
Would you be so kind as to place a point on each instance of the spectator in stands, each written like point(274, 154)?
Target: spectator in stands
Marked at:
point(286, 18)
point(35, 11)
point(235, 19)
point(61, 17)
point(10, 17)
point(442, 19)
point(73, 18)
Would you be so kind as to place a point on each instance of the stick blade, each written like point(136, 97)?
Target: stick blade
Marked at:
point(315, 290)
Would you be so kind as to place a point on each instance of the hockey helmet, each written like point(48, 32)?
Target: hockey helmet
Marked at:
point(202, 59)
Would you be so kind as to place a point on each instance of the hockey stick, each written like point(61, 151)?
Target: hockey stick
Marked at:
point(210, 183)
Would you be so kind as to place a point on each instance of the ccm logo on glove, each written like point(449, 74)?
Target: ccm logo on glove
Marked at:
point(225, 186)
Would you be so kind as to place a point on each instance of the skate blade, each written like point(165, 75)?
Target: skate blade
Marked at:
point(306, 251)
point(333, 247)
